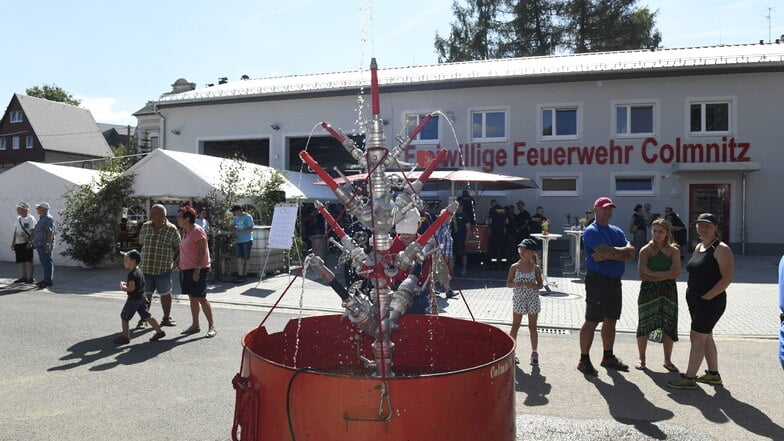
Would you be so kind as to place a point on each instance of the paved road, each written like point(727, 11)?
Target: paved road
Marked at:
point(62, 378)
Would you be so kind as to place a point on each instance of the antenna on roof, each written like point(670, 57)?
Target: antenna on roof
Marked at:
point(769, 16)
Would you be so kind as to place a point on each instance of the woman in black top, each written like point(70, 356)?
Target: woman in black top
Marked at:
point(710, 270)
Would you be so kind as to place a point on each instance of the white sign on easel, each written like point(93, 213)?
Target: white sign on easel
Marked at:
point(282, 231)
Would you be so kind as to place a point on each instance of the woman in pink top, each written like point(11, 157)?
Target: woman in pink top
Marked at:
point(194, 262)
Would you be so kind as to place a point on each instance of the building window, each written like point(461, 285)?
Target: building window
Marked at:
point(634, 184)
point(488, 125)
point(710, 116)
point(429, 132)
point(30, 142)
point(560, 121)
point(15, 143)
point(553, 184)
point(17, 116)
point(635, 120)
point(3, 143)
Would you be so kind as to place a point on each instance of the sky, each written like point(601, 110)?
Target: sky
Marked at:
point(115, 56)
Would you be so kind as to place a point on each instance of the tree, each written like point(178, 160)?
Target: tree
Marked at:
point(52, 93)
point(533, 30)
point(607, 25)
point(486, 29)
point(476, 34)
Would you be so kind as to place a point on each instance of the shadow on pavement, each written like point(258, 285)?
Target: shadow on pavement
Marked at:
point(16, 288)
point(628, 405)
point(533, 385)
point(722, 407)
point(139, 350)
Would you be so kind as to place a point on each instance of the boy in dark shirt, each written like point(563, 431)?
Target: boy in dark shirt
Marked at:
point(136, 301)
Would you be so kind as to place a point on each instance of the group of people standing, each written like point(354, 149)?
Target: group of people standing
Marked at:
point(710, 267)
point(642, 221)
point(30, 235)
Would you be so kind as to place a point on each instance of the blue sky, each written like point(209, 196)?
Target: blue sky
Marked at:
point(115, 56)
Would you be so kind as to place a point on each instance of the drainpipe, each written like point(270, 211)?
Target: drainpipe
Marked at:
point(743, 215)
point(162, 137)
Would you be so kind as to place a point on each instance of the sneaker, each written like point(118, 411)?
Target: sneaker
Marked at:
point(142, 324)
point(168, 321)
point(586, 367)
point(683, 382)
point(211, 333)
point(158, 335)
point(30, 280)
point(21, 280)
point(614, 363)
point(534, 358)
point(709, 378)
point(450, 294)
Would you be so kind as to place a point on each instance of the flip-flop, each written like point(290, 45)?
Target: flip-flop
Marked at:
point(640, 366)
point(671, 367)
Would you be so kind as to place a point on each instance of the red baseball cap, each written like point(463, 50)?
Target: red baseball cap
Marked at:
point(603, 202)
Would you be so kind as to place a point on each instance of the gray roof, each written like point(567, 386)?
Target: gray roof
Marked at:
point(553, 68)
point(120, 128)
point(64, 128)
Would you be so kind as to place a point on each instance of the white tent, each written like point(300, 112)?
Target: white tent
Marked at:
point(178, 175)
point(35, 182)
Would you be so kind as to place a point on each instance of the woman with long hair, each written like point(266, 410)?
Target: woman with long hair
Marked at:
point(659, 264)
point(711, 268)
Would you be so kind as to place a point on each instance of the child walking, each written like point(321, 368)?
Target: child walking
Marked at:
point(525, 279)
point(136, 301)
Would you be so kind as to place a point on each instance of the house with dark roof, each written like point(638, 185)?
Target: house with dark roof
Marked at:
point(117, 134)
point(35, 129)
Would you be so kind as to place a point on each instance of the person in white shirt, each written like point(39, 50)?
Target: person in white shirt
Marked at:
point(22, 242)
point(202, 221)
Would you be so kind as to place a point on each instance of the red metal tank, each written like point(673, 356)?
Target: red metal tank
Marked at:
point(454, 380)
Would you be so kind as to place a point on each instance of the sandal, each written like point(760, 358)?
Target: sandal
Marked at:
point(587, 368)
point(671, 367)
point(640, 366)
point(122, 340)
point(190, 330)
point(168, 321)
point(158, 335)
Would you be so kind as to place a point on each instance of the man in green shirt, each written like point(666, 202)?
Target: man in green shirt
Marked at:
point(160, 242)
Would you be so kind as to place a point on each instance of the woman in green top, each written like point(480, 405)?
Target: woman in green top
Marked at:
point(659, 265)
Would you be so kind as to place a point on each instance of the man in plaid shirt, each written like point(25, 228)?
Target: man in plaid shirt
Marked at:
point(160, 242)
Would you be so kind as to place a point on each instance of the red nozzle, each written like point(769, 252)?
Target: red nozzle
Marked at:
point(421, 126)
point(333, 132)
point(305, 156)
point(374, 87)
point(432, 166)
point(331, 221)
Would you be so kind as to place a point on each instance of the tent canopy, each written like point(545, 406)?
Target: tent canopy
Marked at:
point(35, 182)
point(179, 175)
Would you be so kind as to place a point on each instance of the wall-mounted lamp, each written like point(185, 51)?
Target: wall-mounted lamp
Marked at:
point(175, 132)
point(451, 115)
point(275, 126)
point(385, 122)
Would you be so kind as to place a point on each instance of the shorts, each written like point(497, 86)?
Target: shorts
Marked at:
point(602, 297)
point(23, 253)
point(458, 247)
point(191, 287)
point(705, 313)
point(160, 282)
point(243, 250)
point(133, 306)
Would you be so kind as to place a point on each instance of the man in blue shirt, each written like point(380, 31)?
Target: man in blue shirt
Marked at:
point(606, 249)
point(781, 308)
point(242, 227)
point(43, 242)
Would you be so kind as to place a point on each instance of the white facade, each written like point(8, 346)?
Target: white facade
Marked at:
point(705, 123)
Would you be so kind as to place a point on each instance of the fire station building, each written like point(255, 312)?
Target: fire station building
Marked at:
point(695, 129)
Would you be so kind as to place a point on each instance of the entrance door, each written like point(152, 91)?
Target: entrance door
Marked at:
point(709, 198)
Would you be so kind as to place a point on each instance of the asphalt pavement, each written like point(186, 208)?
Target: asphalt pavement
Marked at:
point(58, 357)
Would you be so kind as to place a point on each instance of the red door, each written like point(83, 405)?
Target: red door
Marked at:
point(709, 198)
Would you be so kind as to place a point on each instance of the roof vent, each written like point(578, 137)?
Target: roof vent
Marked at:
point(223, 80)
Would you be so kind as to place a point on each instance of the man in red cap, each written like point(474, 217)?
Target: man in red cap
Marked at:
point(606, 249)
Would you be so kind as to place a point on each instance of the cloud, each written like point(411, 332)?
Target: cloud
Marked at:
point(103, 110)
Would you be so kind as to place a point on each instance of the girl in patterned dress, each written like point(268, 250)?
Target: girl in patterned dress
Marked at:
point(525, 279)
